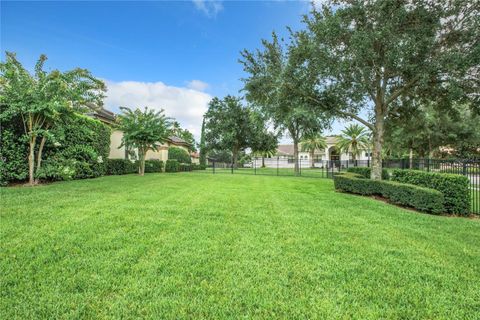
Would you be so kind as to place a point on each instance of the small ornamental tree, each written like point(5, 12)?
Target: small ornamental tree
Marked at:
point(41, 98)
point(144, 130)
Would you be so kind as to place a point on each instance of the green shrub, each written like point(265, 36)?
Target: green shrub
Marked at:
point(121, 166)
point(179, 154)
point(55, 169)
point(13, 155)
point(455, 188)
point(153, 165)
point(366, 172)
point(420, 198)
point(81, 138)
point(171, 166)
point(197, 166)
point(184, 167)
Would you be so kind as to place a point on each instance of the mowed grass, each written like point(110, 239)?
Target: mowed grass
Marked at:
point(191, 245)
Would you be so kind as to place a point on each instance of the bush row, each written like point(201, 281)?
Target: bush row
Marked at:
point(366, 172)
point(420, 198)
point(455, 188)
point(124, 166)
point(173, 165)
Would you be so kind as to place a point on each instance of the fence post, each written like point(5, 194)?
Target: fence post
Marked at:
point(428, 165)
point(299, 167)
point(213, 166)
point(231, 167)
point(368, 163)
point(277, 164)
point(255, 165)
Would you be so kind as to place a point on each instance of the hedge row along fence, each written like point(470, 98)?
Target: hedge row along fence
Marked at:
point(455, 188)
point(420, 198)
point(366, 171)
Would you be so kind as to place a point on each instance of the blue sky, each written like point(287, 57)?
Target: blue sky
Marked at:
point(171, 55)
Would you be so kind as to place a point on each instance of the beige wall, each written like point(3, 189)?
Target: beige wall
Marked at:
point(161, 154)
point(115, 142)
point(119, 153)
point(195, 160)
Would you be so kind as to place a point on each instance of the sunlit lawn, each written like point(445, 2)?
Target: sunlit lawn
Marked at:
point(193, 245)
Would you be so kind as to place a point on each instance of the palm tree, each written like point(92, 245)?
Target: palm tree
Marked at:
point(176, 130)
point(311, 143)
point(353, 139)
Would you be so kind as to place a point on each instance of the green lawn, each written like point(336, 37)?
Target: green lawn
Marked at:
point(191, 245)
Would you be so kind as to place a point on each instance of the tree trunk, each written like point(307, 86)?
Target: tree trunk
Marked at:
point(295, 157)
point(31, 161)
point(234, 157)
point(377, 143)
point(312, 160)
point(141, 168)
point(410, 158)
point(39, 155)
point(263, 161)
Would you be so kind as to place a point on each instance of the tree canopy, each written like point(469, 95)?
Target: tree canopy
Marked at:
point(227, 126)
point(41, 98)
point(145, 130)
point(276, 84)
point(371, 55)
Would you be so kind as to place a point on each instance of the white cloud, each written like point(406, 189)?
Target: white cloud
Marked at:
point(186, 105)
point(197, 85)
point(209, 7)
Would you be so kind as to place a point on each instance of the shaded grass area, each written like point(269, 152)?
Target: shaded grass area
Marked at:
point(188, 245)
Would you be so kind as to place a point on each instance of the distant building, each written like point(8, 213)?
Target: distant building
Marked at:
point(329, 153)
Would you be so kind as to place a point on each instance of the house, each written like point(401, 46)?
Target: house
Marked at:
point(117, 152)
point(195, 157)
point(330, 153)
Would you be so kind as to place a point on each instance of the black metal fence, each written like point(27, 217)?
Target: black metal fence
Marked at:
point(318, 168)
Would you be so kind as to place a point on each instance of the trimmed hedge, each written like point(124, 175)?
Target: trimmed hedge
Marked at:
point(366, 172)
point(420, 198)
point(121, 166)
point(179, 154)
point(153, 165)
point(172, 166)
point(185, 167)
point(455, 188)
point(197, 166)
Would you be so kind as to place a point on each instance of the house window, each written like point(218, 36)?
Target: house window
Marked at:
point(368, 154)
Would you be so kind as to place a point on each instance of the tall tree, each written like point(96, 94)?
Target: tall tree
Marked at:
point(277, 80)
point(263, 142)
point(227, 126)
point(354, 138)
point(41, 98)
point(203, 151)
point(312, 142)
point(144, 130)
point(372, 54)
